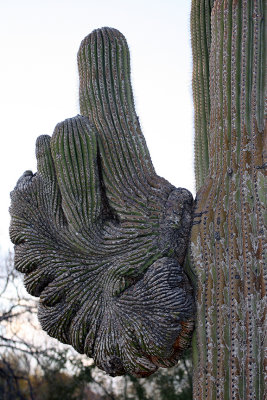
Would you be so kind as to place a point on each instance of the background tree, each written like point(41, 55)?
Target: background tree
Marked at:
point(33, 367)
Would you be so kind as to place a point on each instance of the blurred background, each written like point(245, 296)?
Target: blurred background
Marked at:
point(39, 88)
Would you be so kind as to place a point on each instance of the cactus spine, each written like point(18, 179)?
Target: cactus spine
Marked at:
point(228, 240)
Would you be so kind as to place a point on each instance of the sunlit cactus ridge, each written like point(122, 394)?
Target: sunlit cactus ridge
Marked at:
point(99, 236)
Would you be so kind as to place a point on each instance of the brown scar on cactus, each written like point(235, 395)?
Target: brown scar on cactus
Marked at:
point(99, 236)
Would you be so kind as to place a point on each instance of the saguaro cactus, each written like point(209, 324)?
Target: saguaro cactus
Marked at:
point(100, 237)
point(228, 241)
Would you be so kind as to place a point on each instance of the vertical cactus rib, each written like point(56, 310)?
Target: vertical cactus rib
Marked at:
point(200, 28)
point(259, 188)
point(228, 241)
point(245, 172)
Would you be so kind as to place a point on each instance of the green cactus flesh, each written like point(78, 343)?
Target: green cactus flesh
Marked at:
point(100, 237)
point(228, 241)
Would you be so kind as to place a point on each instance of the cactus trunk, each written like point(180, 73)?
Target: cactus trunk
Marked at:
point(228, 240)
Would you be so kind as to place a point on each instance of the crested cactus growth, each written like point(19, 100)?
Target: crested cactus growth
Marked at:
point(228, 241)
point(100, 237)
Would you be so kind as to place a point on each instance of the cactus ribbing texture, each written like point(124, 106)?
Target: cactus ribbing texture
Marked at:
point(228, 241)
point(100, 237)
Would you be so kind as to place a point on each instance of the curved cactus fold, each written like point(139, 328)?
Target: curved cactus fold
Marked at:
point(100, 237)
point(228, 241)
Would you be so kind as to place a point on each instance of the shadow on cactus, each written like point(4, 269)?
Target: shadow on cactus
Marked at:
point(100, 237)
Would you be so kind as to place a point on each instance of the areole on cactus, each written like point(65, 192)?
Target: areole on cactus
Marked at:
point(102, 239)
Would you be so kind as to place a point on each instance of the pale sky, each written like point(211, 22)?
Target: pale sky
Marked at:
point(39, 79)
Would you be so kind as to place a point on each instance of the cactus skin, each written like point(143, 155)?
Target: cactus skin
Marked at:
point(228, 239)
point(100, 237)
point(201, 41)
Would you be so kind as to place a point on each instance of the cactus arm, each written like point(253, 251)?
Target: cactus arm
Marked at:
point(100, 237)
point(106, 98)
point(228, 240)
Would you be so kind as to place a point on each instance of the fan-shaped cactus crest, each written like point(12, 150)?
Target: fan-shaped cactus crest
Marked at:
point(100, 237)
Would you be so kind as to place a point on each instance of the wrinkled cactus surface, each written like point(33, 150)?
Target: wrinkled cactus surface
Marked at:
point(100, 237)
point(228, 242)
